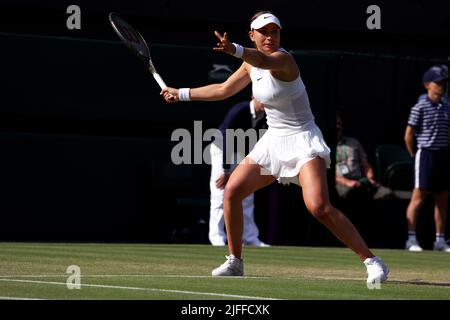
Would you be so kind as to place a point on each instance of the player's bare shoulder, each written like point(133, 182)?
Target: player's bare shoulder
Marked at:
point(290, 70)
point(287, 57)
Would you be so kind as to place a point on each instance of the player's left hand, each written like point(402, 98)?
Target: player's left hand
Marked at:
point(224, 44)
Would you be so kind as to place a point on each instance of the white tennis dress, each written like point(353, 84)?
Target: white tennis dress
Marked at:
point(293, 137)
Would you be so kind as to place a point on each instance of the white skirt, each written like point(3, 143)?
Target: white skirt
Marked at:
point(283, 156)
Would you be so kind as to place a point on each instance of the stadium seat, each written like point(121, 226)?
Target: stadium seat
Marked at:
point(394, 167)
point(399, 176)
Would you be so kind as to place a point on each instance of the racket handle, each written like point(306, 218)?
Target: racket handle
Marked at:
point(160, 81)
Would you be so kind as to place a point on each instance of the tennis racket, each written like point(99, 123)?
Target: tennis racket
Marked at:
point(134, 40)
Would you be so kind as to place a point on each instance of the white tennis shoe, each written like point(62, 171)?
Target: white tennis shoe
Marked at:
point(377, 271)
point(441, 246)
point(233, 267)
point(413, 245)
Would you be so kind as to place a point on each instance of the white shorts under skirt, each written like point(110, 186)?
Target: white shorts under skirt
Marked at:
point(283, 156)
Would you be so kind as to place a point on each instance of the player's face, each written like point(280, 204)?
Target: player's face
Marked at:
point(267, 38)
point(435, 90)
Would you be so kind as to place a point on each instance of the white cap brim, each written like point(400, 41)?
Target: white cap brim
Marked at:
point(264, 20)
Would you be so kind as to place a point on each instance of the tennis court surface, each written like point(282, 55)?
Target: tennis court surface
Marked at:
point(178, 272)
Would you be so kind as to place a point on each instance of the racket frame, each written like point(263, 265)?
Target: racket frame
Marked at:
point(145, 56)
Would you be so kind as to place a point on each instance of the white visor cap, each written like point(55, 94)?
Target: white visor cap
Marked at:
point(263, 20)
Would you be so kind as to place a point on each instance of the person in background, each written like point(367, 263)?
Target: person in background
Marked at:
point(427, 140)
point(425, 95)
point(355, 178)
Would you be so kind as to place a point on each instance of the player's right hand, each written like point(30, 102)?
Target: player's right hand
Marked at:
point(170, 95)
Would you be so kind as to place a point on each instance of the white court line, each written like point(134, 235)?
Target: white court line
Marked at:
point(18, 298)
point(144, 289)
point(335, 278)
point(125, 276)
point(173, 276)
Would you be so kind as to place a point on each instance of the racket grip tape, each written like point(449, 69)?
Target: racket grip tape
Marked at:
point(160, 81)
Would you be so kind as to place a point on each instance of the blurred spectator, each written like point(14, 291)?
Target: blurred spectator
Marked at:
point(355, 177)
point(427, 140)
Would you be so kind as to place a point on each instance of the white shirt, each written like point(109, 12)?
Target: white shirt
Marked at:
point(286, 103)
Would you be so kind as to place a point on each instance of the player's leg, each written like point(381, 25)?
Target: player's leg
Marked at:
point(251, 231)
point(245, 180)
point(313, 179)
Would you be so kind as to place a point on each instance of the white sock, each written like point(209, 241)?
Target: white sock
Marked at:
point(440, 237)
point(412, 236)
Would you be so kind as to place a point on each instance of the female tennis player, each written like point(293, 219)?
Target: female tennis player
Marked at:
point(292, 150)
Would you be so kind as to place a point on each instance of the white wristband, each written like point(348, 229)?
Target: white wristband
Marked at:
point(183, 94)
point(239, 50)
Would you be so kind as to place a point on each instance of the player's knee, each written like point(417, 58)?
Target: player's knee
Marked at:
point(319, 209)
point(232, 193)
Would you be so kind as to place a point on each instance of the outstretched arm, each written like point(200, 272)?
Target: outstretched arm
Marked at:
point(275, 61)
point(218, 91)
point(281, 64)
